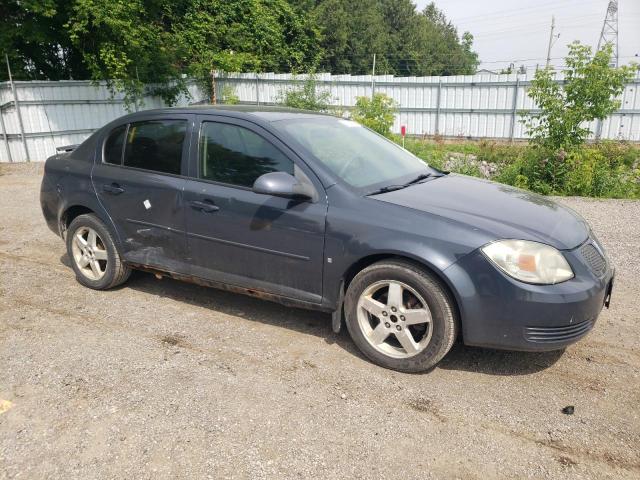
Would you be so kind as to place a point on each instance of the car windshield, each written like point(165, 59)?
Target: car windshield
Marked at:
point(358, 156)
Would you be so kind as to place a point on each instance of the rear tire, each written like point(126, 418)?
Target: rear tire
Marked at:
point(93, 254)
point(400, 316)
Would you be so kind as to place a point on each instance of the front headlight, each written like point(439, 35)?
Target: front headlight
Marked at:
point(530, 262)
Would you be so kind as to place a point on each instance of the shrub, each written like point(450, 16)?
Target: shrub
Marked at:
point(607, 169)
point(594, 174)
point(306, 97)
point(377, 113)
point(229, 96)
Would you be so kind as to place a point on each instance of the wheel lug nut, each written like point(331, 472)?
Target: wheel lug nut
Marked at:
point(393, 309)
point(384, 314)
point(387, 325)
point(402, 317)
point(398, 327)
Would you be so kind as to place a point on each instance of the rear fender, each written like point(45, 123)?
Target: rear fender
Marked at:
point(87, 199)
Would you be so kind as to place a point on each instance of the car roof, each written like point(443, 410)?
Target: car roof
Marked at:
point(262, 112)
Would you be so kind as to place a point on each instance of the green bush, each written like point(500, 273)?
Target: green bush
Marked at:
point(593, 174)
point(229, 96)
point(606, 169)
point(377, 113)
point(306, 96)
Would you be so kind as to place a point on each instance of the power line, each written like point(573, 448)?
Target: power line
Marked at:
point(518, 11)
point(529, 25)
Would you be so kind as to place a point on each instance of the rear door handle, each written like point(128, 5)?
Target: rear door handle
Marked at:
point(113, 188)
point(204, 206)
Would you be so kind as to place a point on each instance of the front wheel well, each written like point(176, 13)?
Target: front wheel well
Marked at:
point(370, 260)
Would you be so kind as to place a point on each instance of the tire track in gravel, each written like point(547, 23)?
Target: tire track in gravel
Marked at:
point(606, 458)
point(163, 340)
point(581, 381)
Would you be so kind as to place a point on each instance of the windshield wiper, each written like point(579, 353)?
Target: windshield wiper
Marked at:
point(419, 178)
point(391, 188)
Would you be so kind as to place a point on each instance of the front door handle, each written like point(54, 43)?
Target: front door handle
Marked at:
point(113, 188)
point(205, 206)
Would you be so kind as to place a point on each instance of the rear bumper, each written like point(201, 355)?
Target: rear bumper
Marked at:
point(498, 311)
point(49, 202)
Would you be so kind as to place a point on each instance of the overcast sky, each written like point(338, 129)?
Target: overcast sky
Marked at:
point(517, 31)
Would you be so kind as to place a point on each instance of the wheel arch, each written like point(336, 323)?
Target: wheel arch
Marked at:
point(444, 281)
point(72, 210)
point(69, 214)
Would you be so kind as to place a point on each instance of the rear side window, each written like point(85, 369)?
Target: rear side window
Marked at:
point(113, 145)
point(237, 156)
point(155, 145)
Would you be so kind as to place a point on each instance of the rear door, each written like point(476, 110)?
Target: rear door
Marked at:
point(247, 239)
point(140, 180)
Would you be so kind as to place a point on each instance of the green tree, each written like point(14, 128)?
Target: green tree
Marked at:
point(406, 42)
point(589, 93)
point(34, 37)
point(440, 50)
point(377, 113)
point(133, 43)
point(129, 44)
point(136, 43)
point(351, 33)
point(246, 35)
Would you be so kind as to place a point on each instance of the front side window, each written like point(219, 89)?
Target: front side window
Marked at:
point(113, 145)
point(358, 156)
point(237, 156)
point(155, 145)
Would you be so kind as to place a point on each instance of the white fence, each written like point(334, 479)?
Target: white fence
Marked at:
point(50, 114)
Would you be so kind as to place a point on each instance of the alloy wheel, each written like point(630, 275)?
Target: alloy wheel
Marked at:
point(89, 253)
point(394, 319)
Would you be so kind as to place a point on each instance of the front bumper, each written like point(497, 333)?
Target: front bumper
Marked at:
point(500, 312)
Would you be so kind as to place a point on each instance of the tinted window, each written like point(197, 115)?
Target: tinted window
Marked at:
point(235, 155)
point(113, 145)
point(155, 145)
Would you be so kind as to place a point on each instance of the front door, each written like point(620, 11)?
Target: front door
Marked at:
point(247, 239)
point(140, 182)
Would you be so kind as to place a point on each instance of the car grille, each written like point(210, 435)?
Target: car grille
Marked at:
point(594, 259)
point(557, 334)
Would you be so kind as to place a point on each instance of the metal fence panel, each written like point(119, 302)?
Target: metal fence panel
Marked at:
point(472, 106)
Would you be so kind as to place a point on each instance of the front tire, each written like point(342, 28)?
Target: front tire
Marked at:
point(93, 254)
point(400, 316)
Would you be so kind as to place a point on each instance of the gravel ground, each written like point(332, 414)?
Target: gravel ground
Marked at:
point(164, 379)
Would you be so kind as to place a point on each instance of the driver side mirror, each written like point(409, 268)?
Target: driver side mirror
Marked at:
point(282, 184)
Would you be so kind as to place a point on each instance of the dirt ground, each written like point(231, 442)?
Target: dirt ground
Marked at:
point(161, 379)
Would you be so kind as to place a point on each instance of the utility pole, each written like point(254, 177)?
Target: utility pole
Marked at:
point(373, 76)
point(609, 33)
point(553, 27)
point(213, 98)
point(17, 105)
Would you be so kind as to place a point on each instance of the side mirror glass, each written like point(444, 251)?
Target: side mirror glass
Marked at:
point(282, 184)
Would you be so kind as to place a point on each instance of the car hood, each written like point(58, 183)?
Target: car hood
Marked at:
point(499, 210)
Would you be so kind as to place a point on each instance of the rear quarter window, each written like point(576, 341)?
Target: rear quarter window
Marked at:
point(113, 145)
